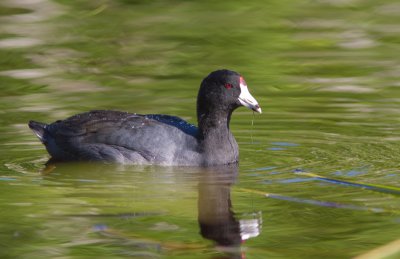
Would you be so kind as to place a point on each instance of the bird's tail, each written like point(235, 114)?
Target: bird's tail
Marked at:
point(39, 129)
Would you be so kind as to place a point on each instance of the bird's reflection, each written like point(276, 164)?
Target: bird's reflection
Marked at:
point(216, 218)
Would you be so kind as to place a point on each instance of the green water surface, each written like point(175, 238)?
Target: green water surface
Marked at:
point(319, 169)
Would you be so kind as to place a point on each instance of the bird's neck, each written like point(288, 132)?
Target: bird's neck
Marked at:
point(216, 140)
point(213, 122)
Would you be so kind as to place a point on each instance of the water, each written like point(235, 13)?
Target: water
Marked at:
point(318, 174)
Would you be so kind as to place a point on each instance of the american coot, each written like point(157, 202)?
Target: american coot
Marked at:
point(129, 138)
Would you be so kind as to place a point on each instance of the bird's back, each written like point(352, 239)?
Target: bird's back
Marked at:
point(121, 137)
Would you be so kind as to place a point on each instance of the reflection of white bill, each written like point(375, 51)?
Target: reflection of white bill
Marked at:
point(251, 227)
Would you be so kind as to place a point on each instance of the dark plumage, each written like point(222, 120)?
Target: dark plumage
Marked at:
point(128, 138)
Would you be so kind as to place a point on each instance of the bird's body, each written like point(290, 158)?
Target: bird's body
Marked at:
point(129, 138)
point(104, 136)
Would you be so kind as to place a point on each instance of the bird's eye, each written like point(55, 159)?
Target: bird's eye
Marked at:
point(228, 86)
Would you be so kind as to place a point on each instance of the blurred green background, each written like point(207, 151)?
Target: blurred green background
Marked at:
point(325, 72)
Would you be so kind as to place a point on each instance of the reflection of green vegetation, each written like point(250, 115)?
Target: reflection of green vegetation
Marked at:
point(11, 60)
point(332, 70)
point(181, 40)
point(11, 87)
point(10, 11)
